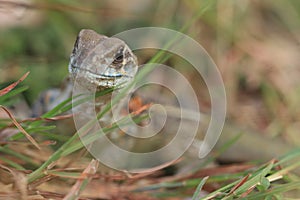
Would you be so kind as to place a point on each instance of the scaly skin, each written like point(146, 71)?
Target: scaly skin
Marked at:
point(101, 61)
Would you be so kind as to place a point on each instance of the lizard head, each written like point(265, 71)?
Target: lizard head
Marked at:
point(100, 61)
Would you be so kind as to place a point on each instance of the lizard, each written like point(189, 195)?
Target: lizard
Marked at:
point(96, 61)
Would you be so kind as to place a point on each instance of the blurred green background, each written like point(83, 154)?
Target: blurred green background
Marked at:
point(254, 43)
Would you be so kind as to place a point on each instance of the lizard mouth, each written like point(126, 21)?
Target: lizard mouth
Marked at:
point(102, 80)
point(92, 74)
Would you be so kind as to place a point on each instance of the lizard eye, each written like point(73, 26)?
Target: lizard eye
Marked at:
point(119, 57)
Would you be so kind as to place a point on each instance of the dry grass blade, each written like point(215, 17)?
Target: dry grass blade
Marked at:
point(40, 181)
point(57, 7)
point(82, 182)
point(20, 127)
point(20, 182)
point(141, 109)
point(13, 85)
point(57, 118)
point(44, 143)
point(247, 192)
point(146, 172)
point(239, 184)
point(47, 119)
point(60, 7)
point(212, 171)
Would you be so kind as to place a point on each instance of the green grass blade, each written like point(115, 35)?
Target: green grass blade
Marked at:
point(12, 93)
point(196, 195)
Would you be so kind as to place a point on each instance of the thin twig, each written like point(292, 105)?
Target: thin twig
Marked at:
point(21, 129)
